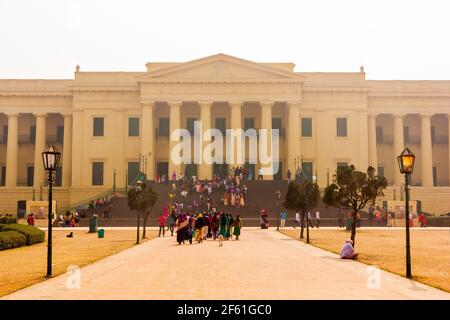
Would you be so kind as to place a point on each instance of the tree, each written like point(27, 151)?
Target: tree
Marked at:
point(303, 198)
point(354, 189)
point(142, 201)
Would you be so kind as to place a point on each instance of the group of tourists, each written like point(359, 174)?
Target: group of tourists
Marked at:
point(69, 219)
point(199, 227)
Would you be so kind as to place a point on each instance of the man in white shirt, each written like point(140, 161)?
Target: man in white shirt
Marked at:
point(317, 219)
point(260, 174)
point(308, 217)
point(297, 219)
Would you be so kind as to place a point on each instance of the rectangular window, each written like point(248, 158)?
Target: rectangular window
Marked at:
point(97, 173)
point(220, 124)
point(133, 127)
point(58, 177)
point(341, 127)
point(190, 125)
point(133, 171)
point(249, 123)
point(380, 171)
point(277, 123)
point(307, 168)
point(433, 135)
point(5, 134)
point(32, 134)
point(434, 176)
point(3, 176)
point(405, 135)
point(30, 176)
point(306, 127)
point(164, 127)
point(379, 134)
point(59, 134)
point(99, 127)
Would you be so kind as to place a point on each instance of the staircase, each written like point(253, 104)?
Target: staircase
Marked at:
point(260, 195)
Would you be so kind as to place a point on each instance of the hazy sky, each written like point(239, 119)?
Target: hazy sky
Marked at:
point(394, 39)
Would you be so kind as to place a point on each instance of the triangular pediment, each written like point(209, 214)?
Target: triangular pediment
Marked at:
point(219, 67)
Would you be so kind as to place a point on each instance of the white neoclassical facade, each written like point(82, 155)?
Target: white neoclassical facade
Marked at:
point(111, 125)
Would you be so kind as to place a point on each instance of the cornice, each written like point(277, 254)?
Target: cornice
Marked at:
point(209, 81)
point(34, 94)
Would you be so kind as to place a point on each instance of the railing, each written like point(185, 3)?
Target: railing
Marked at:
point(86, 201)
point(23, 139)
point(161, 134)
point(441, 139)
point(53, 139)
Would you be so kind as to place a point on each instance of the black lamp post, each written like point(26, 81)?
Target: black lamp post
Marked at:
point(139, 188)
point(406, 164)
point(50, 157)
point(278, 193)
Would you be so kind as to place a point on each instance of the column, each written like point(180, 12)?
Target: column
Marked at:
point(372, 134)
point(426, 151)
point(293, 137)
point(81, 132)
point(148, 138)
point(236, 124)
point(266, 124)
point(39, 147)
point(205, 169)
point(399, 145)
point(67, 151)
point(11, 150)
point(448, 146)
point(174, 123)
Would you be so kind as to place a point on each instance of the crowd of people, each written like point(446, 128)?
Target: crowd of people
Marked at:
point(190, 226)
point(68, 219)
point(103, 206)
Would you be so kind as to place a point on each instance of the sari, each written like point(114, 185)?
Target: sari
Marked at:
point(237, 227)
point(223, 225)
point(182, 228)
point(227, 227)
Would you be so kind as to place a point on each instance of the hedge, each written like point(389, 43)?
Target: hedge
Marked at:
point(33, 234)
point(12, 239)
point(8, 220)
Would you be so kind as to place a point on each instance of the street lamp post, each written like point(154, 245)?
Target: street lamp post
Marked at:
point(139, 187)
point(50, 157)
point(406, 165)
point(278, 193)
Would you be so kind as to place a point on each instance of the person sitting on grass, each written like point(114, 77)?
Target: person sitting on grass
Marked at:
point(347, 251)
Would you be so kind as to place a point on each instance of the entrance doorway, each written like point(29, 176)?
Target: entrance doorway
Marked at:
point(162, 168)
point(220, 169)
point(279, 174)
point(190, 170)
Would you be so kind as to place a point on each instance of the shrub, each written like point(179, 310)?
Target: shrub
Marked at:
point(33, 234)
point(8, 220)
point(12, 239)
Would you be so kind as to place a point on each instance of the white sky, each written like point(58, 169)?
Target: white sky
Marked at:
point(394, 39)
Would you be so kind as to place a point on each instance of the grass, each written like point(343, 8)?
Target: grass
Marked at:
point(430, 250)
point(25, 266)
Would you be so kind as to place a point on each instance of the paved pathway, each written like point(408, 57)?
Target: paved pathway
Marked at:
point(264, 264)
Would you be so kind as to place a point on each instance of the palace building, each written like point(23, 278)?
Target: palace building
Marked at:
point(110, 126)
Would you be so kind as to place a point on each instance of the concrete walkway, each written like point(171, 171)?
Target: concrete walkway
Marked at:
point(264, 264)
